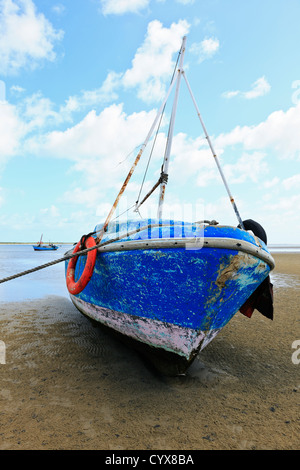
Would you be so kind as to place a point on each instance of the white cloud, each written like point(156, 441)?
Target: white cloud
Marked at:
point(89, 197)
point(205, 49)
point(117, 132)
point(38, 111)
point(97, 144)
point(285, 206)
point(191, 157)
point(149, 79)
point(279, 132)
point(230, 94)
point(119, 7)
point(51, 211)
point(251, 167)
point(16, 89)
point(59, 9)
point(26, 36)
point(272, 183)
point(292, 182)
point(259, 88)
point(12, 129)
point(91, 98)
point(153, 63)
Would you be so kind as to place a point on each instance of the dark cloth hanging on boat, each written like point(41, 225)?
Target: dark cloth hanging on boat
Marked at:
point(261, 300)
point(262, 297)
point(256, 228)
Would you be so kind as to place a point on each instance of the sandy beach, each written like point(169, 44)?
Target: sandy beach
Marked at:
point(66, 384)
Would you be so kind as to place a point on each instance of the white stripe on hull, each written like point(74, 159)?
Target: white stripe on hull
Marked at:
point(185, 342)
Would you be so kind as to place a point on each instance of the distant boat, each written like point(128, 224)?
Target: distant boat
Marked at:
point(40, 246)
point(171, 286)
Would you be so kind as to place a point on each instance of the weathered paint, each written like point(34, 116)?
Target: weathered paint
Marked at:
point(174, 298)
point(170, 337)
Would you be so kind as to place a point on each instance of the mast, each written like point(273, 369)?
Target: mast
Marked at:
point(165, 165)
point(115, 204)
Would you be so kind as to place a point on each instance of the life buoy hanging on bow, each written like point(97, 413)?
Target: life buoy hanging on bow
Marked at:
point(75, 287)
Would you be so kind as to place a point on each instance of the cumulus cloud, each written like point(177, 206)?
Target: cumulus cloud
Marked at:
point(191, 157)
point(153, 62)
point(279, 132)
point(90, 98)
point(205, 49)
point(97, 143)
point(26, 36)
point(36, 113)
point(159, 47)
point(259, 88)
point(39, 111)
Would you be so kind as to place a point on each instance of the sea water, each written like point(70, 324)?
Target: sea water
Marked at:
point(48, 281)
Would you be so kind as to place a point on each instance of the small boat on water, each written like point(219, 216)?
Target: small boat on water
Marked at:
point(170, 286)
point(40, 246)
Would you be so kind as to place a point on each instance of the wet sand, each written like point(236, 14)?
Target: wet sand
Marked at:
point(68, 385)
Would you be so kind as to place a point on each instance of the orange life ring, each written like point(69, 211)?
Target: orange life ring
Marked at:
point(75, 287)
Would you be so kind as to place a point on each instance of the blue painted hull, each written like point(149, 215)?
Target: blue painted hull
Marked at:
point(173, 287)
point(45, 248)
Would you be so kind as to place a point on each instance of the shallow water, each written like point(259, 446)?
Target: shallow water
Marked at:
point(18, 258)
point(285, 280)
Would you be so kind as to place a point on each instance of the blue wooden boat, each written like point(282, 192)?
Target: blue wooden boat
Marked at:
point(49, 247)
point(168, 286)
point(40, 246)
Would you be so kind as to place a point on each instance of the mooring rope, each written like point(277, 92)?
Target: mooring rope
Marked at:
point(79, 253)
point(46, 265)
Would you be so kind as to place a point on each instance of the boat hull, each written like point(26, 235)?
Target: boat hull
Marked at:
point(45, 248)
point(169, 294)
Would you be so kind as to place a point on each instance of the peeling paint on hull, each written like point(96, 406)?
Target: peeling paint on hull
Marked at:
point(172, 338)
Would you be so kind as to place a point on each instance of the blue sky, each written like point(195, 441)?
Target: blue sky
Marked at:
point(80, 84)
